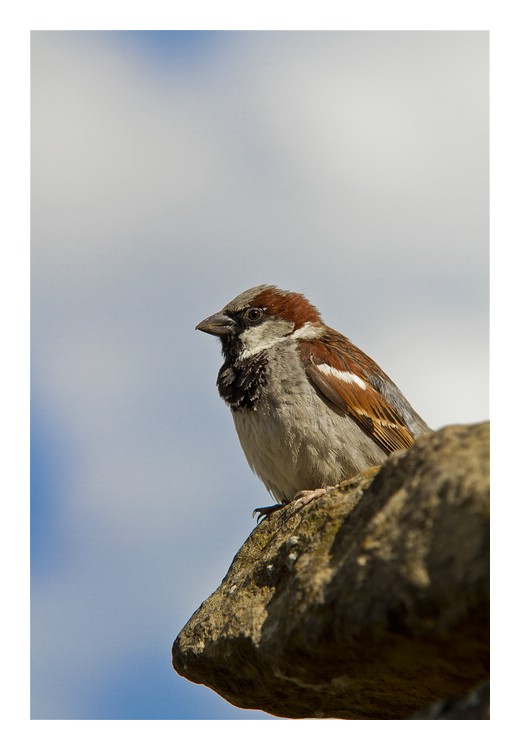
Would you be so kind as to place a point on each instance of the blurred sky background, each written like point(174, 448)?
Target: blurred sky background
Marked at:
point(171, 171)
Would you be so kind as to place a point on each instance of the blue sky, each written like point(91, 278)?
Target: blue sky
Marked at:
point(170, 171)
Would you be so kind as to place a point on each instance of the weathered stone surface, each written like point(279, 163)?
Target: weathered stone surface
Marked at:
point(372, 601)
point(474, 705)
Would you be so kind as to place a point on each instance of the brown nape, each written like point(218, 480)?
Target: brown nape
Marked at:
point(288, 305)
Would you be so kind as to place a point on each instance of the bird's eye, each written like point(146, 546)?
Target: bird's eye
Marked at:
point(253, 314)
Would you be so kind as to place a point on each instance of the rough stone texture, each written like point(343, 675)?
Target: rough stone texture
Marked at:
point(474, 705)
point(370, 602)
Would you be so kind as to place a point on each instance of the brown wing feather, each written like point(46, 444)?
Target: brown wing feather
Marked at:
point(366, 406)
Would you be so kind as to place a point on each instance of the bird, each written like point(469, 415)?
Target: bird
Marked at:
point(310, 408)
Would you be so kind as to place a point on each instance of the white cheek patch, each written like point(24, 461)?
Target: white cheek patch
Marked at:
point(307, 331)
point(347, 377)
point(263, 336)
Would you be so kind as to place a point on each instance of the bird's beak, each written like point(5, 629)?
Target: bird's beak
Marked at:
point(218, 324)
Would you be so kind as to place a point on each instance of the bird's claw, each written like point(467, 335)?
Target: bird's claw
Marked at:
point(265, 512)
point(305, 496)
point(300, 499)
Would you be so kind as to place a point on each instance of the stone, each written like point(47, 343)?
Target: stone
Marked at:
point(369, 602)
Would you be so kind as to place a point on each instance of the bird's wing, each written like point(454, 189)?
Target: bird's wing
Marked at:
point(339, 374)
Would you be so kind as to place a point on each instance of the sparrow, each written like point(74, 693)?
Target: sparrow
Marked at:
point(309, 407)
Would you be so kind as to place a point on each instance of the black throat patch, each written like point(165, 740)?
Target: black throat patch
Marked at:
point(241, 381)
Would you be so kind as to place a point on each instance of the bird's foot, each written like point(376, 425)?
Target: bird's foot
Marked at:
point(305, 496)
point(266, 512)
point(302, 498)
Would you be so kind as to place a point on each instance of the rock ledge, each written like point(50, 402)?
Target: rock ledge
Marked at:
point(371, 602)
